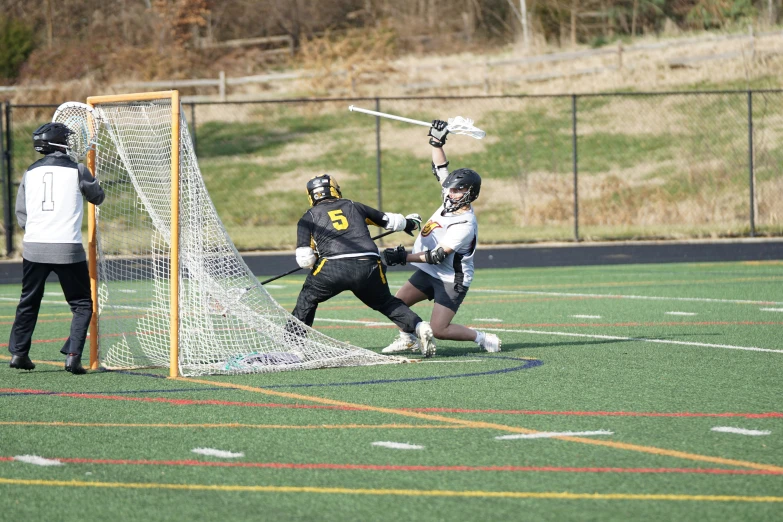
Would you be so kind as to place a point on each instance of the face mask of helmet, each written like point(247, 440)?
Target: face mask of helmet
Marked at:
point(461, 179)
point(51, 137)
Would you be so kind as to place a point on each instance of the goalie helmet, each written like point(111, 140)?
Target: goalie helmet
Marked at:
point(51, 137)
point(461, 179)
point(322, 187)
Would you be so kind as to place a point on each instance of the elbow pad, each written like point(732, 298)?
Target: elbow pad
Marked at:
point(396, 222)
point(435, 257)
point(305, 257)
point(440, 171)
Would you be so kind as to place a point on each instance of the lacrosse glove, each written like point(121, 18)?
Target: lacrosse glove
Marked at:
point(395, 256)
point(438, 133)
point(413, 222)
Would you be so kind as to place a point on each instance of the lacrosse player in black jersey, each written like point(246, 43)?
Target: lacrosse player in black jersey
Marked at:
point(334, 241)
point(443, 253)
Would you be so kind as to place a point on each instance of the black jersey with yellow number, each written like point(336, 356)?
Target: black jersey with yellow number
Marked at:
point(337, 228)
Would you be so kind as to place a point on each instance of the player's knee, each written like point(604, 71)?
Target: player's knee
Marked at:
point(439, 331)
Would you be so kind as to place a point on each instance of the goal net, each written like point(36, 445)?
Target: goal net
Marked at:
point(172, 290)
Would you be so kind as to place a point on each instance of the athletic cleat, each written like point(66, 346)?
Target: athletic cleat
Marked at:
point(491, 342)
point(73, 364)
point(426, 339)
point(22, 362)
point(404, 343)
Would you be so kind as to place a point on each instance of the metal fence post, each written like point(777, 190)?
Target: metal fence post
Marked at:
point(576, 176)
point(378, 150)
point(751, 181)
point(8, 182)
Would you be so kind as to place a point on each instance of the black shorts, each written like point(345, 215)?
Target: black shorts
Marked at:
point(449, 295)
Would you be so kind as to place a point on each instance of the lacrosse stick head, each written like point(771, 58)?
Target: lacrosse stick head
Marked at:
point(83, 122)
point(460, 125)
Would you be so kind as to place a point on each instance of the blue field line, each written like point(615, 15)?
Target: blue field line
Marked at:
point(529, 363)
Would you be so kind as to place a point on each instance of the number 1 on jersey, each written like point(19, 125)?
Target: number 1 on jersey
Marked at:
point(48, 202)
point(339, 221)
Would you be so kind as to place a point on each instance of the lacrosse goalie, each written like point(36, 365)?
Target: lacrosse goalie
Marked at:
point(334, 242)
point(443, 254)
point(49, 208)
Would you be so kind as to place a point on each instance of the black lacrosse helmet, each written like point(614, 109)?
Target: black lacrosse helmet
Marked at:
point(322, 187)
point(461, 179)
point(51, 137)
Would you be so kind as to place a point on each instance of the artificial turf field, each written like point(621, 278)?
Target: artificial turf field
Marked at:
point(634, 365)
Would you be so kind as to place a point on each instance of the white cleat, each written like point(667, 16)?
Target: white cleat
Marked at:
point(404, 343)
point(426, 339)
point(491, 343)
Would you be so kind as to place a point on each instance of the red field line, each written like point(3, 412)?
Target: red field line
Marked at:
point(390, 467)
point(213, 402)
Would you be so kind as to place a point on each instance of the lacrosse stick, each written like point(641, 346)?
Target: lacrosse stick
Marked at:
point(457, 125)
point(83, 122)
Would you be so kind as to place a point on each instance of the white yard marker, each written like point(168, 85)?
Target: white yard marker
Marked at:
point(550, 434)
point(639, 339)
point(490, 320)
point(274, 286)
point(587, 316)
point(349, 321)
point(740, 431)
point(397, 445)
point(126, 291)
point(38, 461)
point(680, 313)
point(771, 309)
point(217, 453)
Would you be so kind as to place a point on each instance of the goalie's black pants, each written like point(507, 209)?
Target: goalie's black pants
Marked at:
point(365, 277)
point(75, 282)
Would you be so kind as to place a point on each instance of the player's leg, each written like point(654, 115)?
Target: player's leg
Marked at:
point(75, 282)
point(323, 283)
point(372, 289)
point(414, 290)
point(33, 283)
point(448, 298)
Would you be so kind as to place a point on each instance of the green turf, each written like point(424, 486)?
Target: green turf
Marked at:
point(576, 368)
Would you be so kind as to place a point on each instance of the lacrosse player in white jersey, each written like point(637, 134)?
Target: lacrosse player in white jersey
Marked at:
point(49, 208)
point(443, 254)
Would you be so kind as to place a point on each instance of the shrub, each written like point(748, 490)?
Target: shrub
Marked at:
point(17, 41)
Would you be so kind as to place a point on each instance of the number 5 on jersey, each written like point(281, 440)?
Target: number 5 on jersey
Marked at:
point(339, 221)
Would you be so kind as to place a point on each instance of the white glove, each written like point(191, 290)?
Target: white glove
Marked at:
point(395, 222)
point(305, 257)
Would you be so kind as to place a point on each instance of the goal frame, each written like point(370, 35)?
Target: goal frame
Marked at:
point(174, 97)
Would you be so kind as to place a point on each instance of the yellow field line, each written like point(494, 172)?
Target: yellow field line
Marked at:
point(554, 495)
point(491, 426)
point(231, 425)
point(61, 364)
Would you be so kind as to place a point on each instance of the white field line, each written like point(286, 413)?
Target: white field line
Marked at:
point(397, 445)
point(430, 361)
point(550, 434)
point(739, 431)
point(771, 309)
point(217, 453)
point(587, 316)
point(680, 313)
point(38, 461)
point(640, 339)
point(618, 296)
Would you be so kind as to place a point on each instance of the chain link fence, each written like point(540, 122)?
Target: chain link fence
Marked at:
point(564, 168)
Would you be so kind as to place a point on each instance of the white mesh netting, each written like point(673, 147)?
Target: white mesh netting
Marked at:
point(228, 322)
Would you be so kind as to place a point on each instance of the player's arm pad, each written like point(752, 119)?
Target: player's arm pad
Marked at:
point(435, 256)
point(396, 222)
point(305, 257)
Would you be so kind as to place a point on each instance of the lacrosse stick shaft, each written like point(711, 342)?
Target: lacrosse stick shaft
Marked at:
point(299, 268)
point(390, 116)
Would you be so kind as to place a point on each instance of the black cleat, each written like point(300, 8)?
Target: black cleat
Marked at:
point(73, 364)
point(22, 362)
